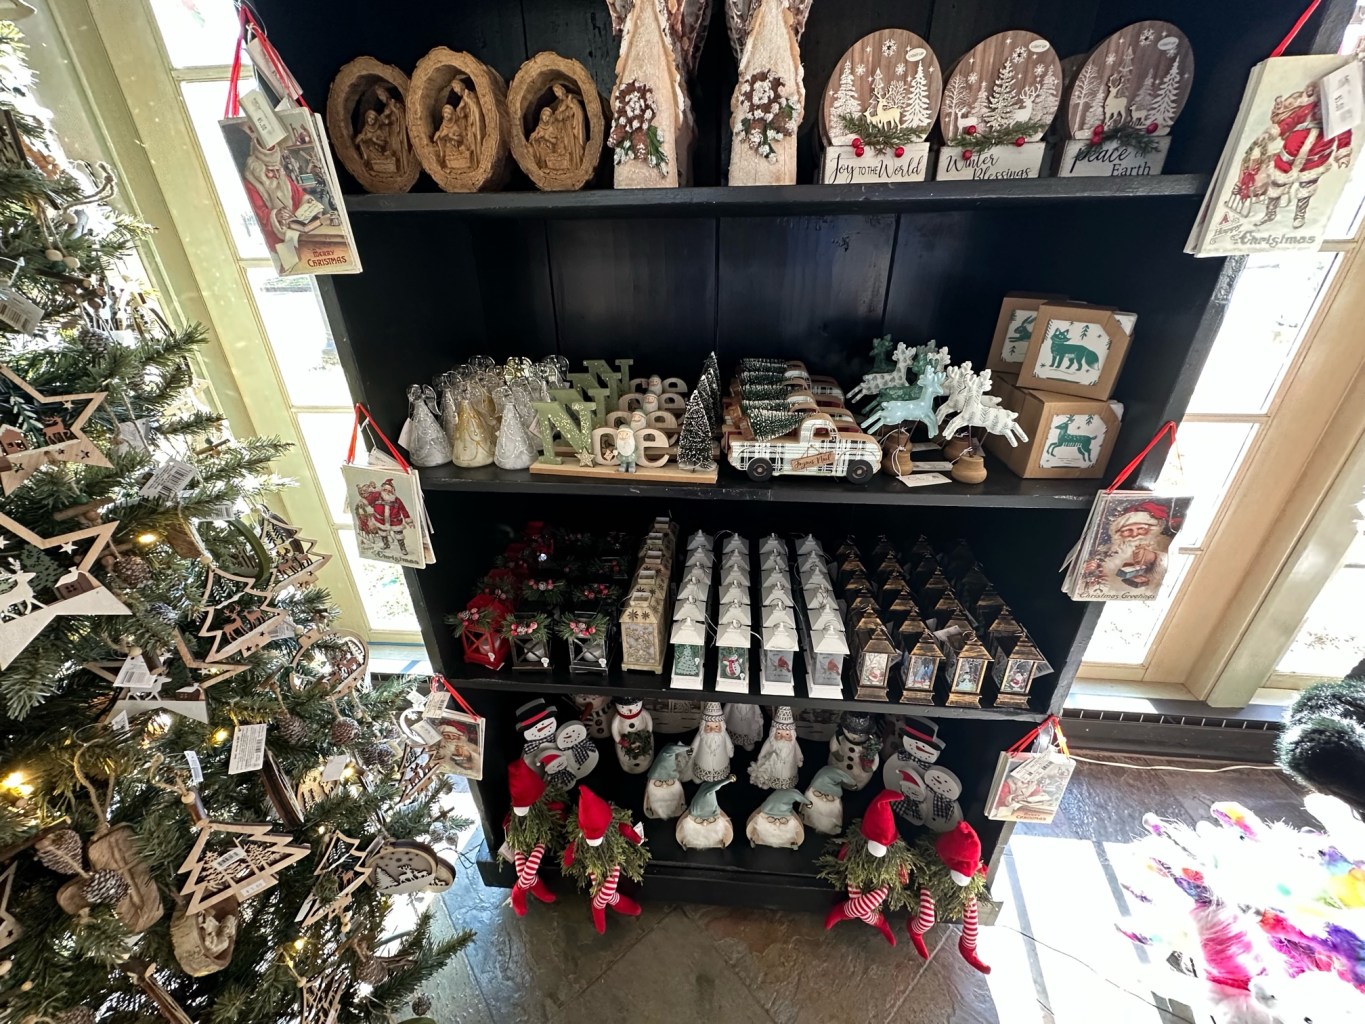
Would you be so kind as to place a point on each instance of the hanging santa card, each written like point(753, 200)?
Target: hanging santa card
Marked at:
point(42, 578)
point(1000, 98)
point(1125, 97)
point(384, 500)
point(36, 429)
point(878, 109)
point(1280, 174)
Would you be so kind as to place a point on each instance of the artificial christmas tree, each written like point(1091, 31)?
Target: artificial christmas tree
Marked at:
point(162, 553)
point(694, 443)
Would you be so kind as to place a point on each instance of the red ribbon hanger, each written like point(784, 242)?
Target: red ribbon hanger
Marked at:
point(438, 681)
point(365, 420)
point(1284, 43)
point(1059, 737)
point(1167, 427)
point(247, 23)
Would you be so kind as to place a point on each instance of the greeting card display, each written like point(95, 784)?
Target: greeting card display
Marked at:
point(1000, 98)
point(878, 109)
point(1077, 349)
point(1280, 174)
point(1124, 100)
point(384, 499)
point(1029, 784)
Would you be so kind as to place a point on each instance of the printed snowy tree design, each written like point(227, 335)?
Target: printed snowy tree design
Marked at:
point(1045, 104)
point(845, 104)
point(1085, 94)
point(45, 573)
point(1167, 103)
point(1000, 105)
point(1140, 110)
point(915, 112)
point(687, 659)
point(1125, 71)
point(709, 385)
point(694, 440)
point(897, 95)
point(957, 103)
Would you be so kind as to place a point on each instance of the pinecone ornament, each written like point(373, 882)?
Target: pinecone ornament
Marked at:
point(94, 340)
point(132, 571)
point(422, 1005)
point(345, 731)
point(376, 755)
point(291, 728)
point(105, 886)
point(61, 851)
point(76, 1015)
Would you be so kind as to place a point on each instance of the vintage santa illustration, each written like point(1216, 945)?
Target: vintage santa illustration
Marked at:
point(1299, 153)
point(382, 518)
point(1135, 556)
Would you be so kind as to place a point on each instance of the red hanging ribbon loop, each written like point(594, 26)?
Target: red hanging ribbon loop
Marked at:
point(368, 422)
point(442, 680)
point(1167, 427)
point(232, 108)
point(1051, 720)
point(247, 23)
point(1284, 43)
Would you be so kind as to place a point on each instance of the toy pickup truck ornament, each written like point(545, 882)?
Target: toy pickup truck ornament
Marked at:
point(817, 447)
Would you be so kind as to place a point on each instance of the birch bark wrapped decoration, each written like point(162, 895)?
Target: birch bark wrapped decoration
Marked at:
point(650, 125)
point(557, 125)
point(458, 122)
point(770, 97)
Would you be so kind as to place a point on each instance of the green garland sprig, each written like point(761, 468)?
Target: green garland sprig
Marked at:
point(571, 627)
point(879, 138)
point(481, 618)
point(538, 825)
point(544, 591)
point(865, 872)
point(523, 624)
point(1127, 134)
point(596, 862)
point(990, 138)
point(950, 899)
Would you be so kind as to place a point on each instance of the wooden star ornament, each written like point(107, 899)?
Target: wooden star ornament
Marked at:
point(36, 429)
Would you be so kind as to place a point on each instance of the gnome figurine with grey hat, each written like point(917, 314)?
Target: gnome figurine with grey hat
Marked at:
point(824, 810)
point(776, 823)
point(705, 826)
point(664, 796)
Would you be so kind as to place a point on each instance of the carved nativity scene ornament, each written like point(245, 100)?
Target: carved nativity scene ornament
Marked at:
point(650, 127)
point(557, 122)
point(458, 122)
point(770, 97)
point(367, 120)
point(878, 109)
point(999, 99)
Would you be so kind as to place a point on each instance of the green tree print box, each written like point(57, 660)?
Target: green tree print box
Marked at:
point(1068, 437)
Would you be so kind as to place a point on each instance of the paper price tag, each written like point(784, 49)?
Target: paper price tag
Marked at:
point(435, 705)
point(231, 857)
point(924, 479)
point(269, 129)
point(938, 465)
point(335, 767)
point(134, 675)
point(248, 749)
point(168, 481)
point(196, 769)
point(1343, 97)
point(18, 312)
point(119, 723)
point(277, 77)
point(428, 732)
point(248, 891)
point(405, 435)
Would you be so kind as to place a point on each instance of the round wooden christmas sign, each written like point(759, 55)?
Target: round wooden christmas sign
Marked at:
point(1139, 77)
point(1004, 89)
point(367, 120)
point(887, 81)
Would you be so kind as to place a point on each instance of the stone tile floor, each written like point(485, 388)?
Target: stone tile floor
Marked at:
point(1053, 947)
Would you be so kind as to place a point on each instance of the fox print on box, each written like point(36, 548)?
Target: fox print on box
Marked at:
point(1076, 349)
point(1072, 350)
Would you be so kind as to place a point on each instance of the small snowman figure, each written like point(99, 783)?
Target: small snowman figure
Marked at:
point(909, 783)
point(705, 826)
point(537, 724)
point(632, 730)
point(780, 757)
point(854, 749)
point(776, 823)
point(573, 756)
point(627, 452)
point(942, 811)
point(712, 747)
point(824, 810)
point(920, 747)
point(744, 723)
point(592, 709)
point(664, 796)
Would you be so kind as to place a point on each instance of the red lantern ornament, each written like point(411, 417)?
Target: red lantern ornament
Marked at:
point(966, 154)
point(970, 129)
point(1020, 141)
point(857, 142)
point(1151, 128)
point(900, 151)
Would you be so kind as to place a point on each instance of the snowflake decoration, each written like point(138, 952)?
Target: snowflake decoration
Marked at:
point(1019, 54)
point(889, 48)
point(900, 70)
point(861, 71)
point(1111, 58)
point(1038, 68)
point(1146, 37)
point(972, 78)
point(971, 60)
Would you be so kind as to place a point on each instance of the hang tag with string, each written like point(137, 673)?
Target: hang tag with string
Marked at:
point(18, 312)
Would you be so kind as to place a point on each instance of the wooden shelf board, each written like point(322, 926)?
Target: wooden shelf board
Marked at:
point(569, 469)
point(619, 683)
point(1001, 489)
point(783, 200)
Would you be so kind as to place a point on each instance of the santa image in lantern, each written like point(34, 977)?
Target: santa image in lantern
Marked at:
point(602, 846)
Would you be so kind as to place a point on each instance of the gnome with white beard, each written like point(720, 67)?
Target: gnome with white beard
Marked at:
point(780, 758)
point(705, 826)
point(712, 747)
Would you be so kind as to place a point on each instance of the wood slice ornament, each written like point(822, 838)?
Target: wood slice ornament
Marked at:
point(999, 99)
point(557, 122)
point(769, 100)
point(204, 941)
point(458, 121)
point(403, 866)
point(1123, 100)
point(368, 123)
point(885, 94)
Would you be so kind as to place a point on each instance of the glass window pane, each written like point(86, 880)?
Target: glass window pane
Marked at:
point(1331, 639)
point(326, 436)
point(1272, 302)
point(204, 100)
point(1209, 455)
point(300, 337)
point(383, 591)
point(1127, 628)
point(197, 33)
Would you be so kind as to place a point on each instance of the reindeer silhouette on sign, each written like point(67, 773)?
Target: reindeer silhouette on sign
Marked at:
point(16, 592)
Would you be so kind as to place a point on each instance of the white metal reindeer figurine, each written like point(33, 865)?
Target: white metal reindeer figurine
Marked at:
point(990, 418)
point(874, 383)
point(960, 381)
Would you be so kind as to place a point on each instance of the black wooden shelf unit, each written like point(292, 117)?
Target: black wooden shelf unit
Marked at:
point(806, 271)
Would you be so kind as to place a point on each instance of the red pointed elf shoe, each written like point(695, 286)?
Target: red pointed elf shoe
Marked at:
point(519, 900)
point(969, 954)
point(835, 915)
point(599, 919)
point(541, 891)
point(884, 926)
point(918, 939)
point(625, 905)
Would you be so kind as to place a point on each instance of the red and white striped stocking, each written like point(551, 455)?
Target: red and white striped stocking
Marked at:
point(922, 922)
point(528, 879)
point(607, 896)
point(967, 944)
point(865, 907)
